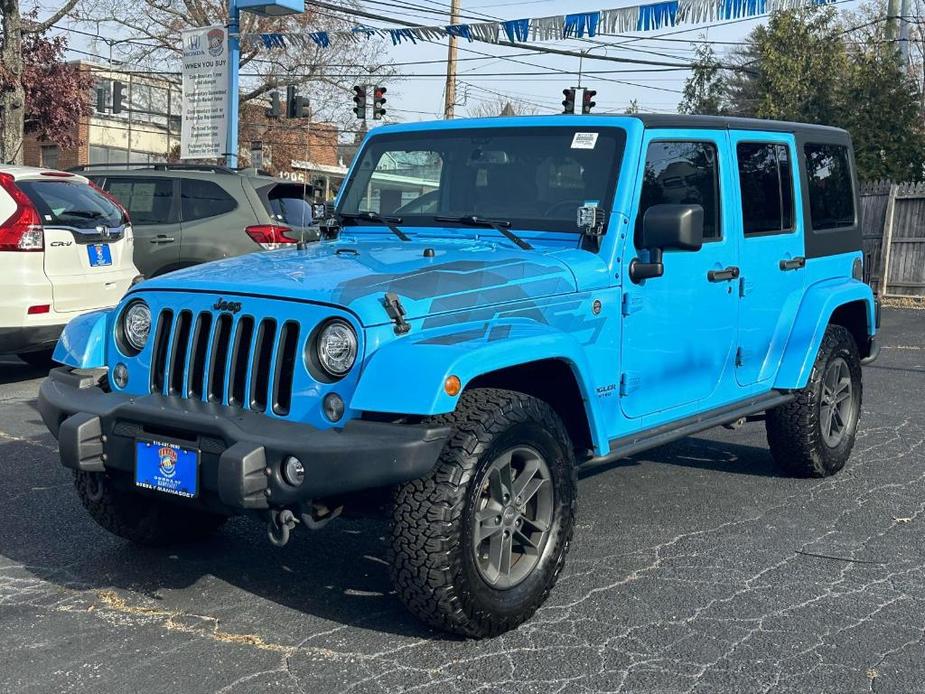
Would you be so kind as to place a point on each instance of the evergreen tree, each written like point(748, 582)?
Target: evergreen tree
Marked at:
point(705, 89)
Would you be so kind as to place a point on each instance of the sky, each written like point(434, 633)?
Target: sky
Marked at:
point(482, 67)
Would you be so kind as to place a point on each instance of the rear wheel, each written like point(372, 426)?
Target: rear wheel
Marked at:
point(812, 436)
point(479, 543)
point(141, 519)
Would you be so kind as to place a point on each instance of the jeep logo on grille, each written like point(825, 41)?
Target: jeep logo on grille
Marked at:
point(229, 306)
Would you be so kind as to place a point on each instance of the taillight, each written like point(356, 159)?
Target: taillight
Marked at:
point(23, 230)
point(270, 235)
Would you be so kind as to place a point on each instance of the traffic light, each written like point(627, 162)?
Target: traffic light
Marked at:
point(568, 103)
point(290, 101)
point(299, 107)
point(586, 100)
point(275, 110)
point(118, 90)
point(359, 98)
point(378, 101)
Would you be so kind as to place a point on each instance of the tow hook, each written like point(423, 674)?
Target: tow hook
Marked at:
point(313, 515)
point(319, 515)
point(280, 526)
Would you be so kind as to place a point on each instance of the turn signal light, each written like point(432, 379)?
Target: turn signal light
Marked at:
point(452, 386)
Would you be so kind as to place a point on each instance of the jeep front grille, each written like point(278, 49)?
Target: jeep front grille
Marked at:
point(220, 358)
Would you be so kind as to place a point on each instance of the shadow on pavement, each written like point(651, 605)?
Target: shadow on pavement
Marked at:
point(12, 370)
point(705, 454)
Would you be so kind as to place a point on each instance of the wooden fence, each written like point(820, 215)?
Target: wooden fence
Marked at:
point(893, 226)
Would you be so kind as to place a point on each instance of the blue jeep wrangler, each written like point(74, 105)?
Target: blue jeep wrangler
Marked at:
point(497, 302)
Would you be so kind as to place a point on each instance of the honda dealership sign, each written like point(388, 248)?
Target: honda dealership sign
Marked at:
point(205, 93)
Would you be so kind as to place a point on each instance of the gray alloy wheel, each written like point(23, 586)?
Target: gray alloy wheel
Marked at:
point(515, 512)
point(836, 404)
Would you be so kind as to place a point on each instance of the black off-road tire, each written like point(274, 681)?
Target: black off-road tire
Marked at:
point(140, 519)
point(39, 360)
point(433, 565)
point(794, 430)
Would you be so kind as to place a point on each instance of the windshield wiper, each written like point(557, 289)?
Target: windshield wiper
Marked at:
point(389, 222)
point(499, 225)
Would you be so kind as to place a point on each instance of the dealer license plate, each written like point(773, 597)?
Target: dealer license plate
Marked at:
point(167, 467)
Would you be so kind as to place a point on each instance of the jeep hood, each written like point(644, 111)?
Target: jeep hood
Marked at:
point(356, 274)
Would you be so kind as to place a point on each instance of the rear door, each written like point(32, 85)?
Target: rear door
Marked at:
point(88, 247)
point(214, 218)
point(772, 262)
point(153, 205)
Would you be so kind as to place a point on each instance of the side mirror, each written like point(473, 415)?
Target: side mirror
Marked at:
point(667, 227)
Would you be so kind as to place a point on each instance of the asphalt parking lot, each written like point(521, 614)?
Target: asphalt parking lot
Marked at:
point(695, 567)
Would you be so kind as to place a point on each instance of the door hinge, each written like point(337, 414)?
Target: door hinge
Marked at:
point(740, 357)
point(396, 312)
point(632, 303)
point(745, 287)
point(628, 383)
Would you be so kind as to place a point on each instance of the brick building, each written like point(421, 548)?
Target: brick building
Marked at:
point(148, 130)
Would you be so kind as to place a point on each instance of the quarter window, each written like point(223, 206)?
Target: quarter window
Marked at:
point(828, 175)
point(682, 173)
point(202, 199)
point(766, 182)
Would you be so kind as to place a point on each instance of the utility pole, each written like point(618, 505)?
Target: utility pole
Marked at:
point(892, 20)
point(904, 32)
point(450, 101)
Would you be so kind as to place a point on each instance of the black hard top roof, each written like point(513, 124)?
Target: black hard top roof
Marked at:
point(670, 120)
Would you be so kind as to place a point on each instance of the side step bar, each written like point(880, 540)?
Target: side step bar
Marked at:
point(632, 444)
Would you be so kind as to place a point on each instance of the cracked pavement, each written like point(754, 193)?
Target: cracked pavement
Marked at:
point(696, 567)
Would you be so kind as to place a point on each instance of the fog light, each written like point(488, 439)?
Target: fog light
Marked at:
point(333, 407)
point(120, 376)
point(293, 471)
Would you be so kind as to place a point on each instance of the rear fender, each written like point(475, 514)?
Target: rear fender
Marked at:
point(819, 303)
point(407, 375)
point(83, 343)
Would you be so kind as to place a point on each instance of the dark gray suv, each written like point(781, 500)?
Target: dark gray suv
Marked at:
point(186, 214)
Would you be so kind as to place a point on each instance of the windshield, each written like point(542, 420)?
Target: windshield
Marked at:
point(533, 177)
point(71, 204)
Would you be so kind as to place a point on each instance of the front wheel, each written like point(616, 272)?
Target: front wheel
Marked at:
point(479, 543)
point(812, 436)
point(142, 519)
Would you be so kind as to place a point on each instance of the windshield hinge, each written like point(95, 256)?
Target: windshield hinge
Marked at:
point(396, 312)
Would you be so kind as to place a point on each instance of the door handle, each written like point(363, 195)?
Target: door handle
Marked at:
point(730, 273)
point(161, 238)
point(793, 263)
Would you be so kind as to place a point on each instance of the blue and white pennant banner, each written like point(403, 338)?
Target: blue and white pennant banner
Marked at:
point(621, 20)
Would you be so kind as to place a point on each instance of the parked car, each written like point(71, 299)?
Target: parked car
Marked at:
point(579, 289)
point(65, 249)
point(186, 214)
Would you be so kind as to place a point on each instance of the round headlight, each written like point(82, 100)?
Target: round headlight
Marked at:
point(337, 348)
point(136, 325)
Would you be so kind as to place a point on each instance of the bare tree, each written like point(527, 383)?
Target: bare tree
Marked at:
point(500, 106)
point(13, 95)
point(324, 74)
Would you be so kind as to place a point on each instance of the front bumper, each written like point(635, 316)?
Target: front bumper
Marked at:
point(241, 452)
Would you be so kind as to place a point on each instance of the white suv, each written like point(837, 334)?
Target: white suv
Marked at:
point(65, 249)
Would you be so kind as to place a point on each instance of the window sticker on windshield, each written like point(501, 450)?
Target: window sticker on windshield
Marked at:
point(584, 141)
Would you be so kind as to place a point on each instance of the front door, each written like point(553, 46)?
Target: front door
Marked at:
point(679, 330)
point(152, 205)
point(772, 262)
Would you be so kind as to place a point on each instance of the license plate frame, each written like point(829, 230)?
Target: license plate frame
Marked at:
point(99, 254)
point(167, 467)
